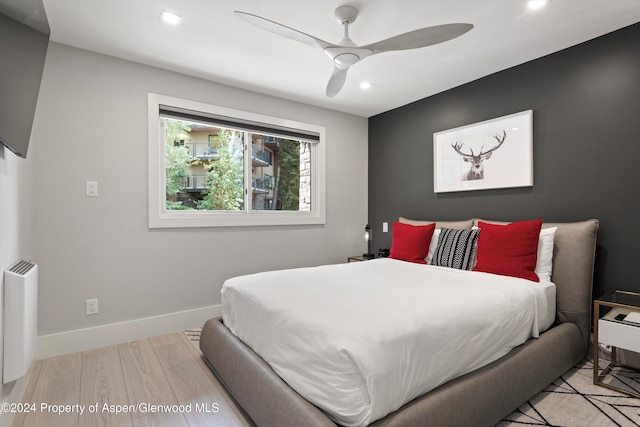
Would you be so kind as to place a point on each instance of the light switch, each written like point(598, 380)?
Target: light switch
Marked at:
point(385, 227)
point(92, 189)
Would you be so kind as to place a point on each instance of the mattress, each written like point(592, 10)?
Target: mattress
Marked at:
point(361, 339)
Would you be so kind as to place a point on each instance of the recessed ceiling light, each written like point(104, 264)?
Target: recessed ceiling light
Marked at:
point(170, 18)
point(365, 85)
point(536, 4)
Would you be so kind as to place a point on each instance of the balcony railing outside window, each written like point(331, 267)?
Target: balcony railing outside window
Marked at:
point(261, 185)
point(195, 182)
point(202, 150)
point(261, 156)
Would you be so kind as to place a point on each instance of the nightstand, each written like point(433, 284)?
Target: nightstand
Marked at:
point(610, 328)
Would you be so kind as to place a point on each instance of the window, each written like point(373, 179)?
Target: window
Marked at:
point(214, 166)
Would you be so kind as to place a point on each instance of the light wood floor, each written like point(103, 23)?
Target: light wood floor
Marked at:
point(166, 370)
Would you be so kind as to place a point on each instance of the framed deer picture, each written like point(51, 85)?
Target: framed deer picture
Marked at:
point(496, 153)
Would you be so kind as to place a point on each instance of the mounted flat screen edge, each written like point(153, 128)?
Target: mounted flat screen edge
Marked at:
point(22, 55)
point(496, 153)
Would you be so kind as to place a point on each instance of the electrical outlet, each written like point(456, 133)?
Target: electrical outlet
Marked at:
point(91, 188)
point(92, 306)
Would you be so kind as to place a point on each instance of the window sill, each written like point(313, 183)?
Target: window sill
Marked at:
point(184, 219)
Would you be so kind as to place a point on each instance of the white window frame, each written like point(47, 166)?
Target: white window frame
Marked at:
point(160, 217)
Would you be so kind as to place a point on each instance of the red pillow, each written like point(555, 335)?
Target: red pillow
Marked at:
point(411, 242)
point(509, 250)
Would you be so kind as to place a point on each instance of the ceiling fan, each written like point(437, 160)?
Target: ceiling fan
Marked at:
point(346, 54)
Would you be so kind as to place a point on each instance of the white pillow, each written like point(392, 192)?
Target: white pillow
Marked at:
point(433, 245)
point(544, 265)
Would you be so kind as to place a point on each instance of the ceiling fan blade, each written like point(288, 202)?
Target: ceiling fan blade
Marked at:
point(283, 30)
point(336, 81)
point(420, 38)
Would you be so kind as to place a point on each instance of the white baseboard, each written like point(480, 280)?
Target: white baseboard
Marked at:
point(118, 333)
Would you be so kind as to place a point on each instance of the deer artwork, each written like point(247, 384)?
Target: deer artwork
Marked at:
point(476, 171)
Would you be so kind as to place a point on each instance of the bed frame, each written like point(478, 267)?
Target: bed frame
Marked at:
point(479, 398)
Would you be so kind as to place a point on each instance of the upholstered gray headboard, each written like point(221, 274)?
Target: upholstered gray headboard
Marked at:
point(573, 263)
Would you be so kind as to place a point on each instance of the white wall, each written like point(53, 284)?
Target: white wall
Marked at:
point(16, 231)
point(92, 125)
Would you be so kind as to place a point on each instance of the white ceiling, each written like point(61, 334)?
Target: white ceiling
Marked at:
point(214, 44)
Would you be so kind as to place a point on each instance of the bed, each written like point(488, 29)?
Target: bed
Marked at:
point(479, 397)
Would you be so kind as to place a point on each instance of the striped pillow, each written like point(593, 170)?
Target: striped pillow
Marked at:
point(456, 249)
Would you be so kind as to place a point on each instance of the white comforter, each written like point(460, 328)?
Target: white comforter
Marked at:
point(361, 339)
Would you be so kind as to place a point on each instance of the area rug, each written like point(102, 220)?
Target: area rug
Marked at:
point(571, 401)
point(574, 401)
point(194, 336)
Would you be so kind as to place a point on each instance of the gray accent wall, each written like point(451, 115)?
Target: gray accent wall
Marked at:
point(586, 114)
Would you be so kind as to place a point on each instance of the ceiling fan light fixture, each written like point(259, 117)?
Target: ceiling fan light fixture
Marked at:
point(346, 60)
